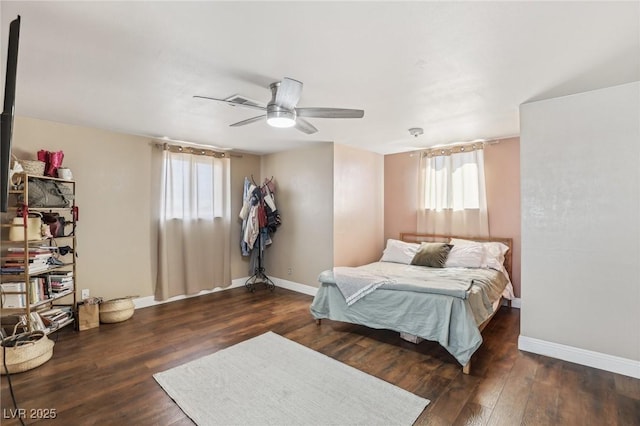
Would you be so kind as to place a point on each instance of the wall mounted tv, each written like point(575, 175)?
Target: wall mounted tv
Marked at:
point(6, 123)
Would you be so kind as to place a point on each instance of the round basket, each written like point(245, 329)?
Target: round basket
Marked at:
point(33, 167)
point(116, 310)
point(30, 351)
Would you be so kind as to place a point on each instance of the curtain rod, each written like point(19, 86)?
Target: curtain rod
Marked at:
point(194, 150)
point(452, 149)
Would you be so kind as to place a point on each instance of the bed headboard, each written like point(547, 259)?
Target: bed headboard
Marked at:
point(411, 237)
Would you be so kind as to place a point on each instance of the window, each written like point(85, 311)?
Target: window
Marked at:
point(451, 194)
point(194, 186)
point(453, 181)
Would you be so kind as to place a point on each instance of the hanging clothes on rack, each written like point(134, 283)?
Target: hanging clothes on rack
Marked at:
point(260, 218)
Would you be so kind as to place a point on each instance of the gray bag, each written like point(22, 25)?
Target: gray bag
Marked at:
point(49, 193)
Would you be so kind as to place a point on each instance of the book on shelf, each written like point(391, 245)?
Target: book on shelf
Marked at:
point(11, 297)
point(59, 283)
point(38, 249)
point(57, 290)
point(19, 263)
point(36, 322)
point(31, 256)
point(61, 274)
point(57, 317)
point(60, 278)
point(15, 269)
point(38, 291)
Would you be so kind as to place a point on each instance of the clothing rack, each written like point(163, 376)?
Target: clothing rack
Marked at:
point(259, 274)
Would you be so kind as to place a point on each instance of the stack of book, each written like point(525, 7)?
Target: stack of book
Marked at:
point(57, 317)
point(60, 282)
point(38, 260)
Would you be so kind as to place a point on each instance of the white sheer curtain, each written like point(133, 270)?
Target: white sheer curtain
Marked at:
point(194, 224)
point(452, 197)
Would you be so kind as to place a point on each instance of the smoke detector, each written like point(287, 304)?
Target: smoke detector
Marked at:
point(416, 131)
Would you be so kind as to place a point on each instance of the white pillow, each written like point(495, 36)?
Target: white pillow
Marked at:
point(493, 252)
point(399, 252)
point(465, 256)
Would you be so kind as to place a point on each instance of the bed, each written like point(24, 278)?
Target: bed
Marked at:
point(449, 301)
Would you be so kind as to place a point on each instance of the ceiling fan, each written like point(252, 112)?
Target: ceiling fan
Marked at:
point(281, 111)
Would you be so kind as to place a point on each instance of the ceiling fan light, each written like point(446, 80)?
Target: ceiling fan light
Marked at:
point(281, 118)
point(281, 122)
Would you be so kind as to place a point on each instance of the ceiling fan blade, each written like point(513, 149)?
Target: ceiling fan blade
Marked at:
point(251, 106)
point(288, 93)
point(329, 112)
point(247, 121)
point(305, 126)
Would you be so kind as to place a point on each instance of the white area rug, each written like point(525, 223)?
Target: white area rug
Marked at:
point(270, 380)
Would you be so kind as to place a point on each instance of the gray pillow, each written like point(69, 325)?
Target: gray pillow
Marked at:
point(433, 255)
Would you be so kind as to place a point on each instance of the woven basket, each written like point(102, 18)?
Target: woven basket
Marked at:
point(33, 167)
point(116, 310)
point(32, 354)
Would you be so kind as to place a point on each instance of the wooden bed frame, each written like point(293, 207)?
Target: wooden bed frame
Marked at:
point(508, 259)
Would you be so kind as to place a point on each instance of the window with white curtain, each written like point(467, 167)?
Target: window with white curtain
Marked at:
point(452, 199)
point(194, 187)
point(454, 181)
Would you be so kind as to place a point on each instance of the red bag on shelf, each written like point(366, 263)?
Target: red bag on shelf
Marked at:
point(55, 161)
point(43, 156)
point(52, 161)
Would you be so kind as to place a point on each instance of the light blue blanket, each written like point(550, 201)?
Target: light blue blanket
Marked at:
point(409, 306)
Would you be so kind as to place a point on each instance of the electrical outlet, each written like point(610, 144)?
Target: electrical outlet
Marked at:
point(289, 271)
point(85, 293)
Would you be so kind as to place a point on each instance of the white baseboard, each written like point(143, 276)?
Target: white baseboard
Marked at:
point(145, 302)
point(624, 366)
point(291, 285)
point(515, 302)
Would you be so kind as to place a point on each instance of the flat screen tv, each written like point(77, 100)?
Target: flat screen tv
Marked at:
point(6, 123)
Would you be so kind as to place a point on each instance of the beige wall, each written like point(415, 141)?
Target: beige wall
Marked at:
point(358, 210)
point(502, 179)
point(112, 172)
point(502, 172)
point(400, 194)
point(241, 166)
point(114, 184)
point(580, 159)
point(304, 198)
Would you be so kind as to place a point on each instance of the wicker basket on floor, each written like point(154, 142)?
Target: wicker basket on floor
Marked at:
point(116, 310)
point(31, 350)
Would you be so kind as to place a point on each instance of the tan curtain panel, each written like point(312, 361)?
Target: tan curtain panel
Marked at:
point(193, 222)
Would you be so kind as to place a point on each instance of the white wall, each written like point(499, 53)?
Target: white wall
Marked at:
point(580, 177)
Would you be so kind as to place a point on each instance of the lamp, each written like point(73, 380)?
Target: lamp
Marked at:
point(280, 117)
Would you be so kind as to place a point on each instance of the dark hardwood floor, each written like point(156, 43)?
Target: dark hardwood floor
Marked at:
point(104, 376)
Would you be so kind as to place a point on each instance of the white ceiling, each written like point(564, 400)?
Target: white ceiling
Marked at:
point(458, 70)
